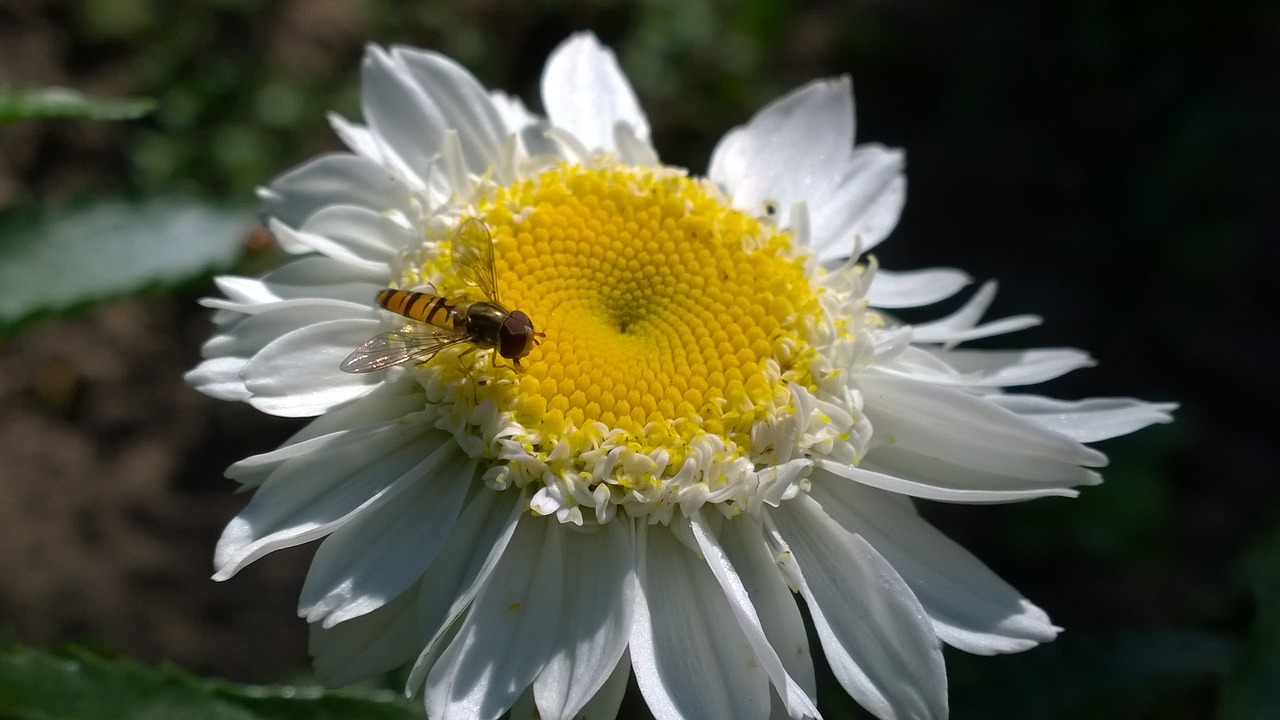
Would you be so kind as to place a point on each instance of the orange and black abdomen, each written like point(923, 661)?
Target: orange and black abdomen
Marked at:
point(429, 309)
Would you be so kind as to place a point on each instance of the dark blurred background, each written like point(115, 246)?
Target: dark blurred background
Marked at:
point(1112, 164)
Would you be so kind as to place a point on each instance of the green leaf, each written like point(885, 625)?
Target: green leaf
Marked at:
point(58, 260)
point(36, 685)
point(50, 103)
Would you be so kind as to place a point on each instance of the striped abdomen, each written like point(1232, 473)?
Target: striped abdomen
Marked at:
point(429, 309)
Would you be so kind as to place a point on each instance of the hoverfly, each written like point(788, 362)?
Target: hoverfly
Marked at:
point(443, 322)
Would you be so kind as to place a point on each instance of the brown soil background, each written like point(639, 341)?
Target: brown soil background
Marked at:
point(113, 498)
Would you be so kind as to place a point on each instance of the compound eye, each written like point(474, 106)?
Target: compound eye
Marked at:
point(515, 337)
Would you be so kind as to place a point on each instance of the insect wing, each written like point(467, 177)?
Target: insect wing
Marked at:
point(400, 346)
point(473, 257)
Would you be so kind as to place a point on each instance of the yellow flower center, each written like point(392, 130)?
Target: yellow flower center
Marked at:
point(676, 330)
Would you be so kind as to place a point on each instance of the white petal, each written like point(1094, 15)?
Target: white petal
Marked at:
point(269, 321)
point(951, 483)
point(314, 277)
point(298, 375)
point(387, 403)
point(460, 101)
point(631, 149)
point(1003, 474)
point(1005, 368)
point(362, 233)
point(914, 289)
point(371, 644)
point(744, 543)
point(987, 368)
point(962, 325)
point(792, 150)
point(246, 290)
point(531, 129)
point(508, 634)
point(864, 207)
point(335, 179)
point(361, 141)
point(322, 277)
point(327, 247)
point(307, 310)
point(453, 167)
point(400, 115)
point(566, 145)
point(796, 145)
point(798, 702)
point(307, 496)
point(603, 705)
point(1088, 420)
point(874, 632)
point(971, 607)
point(512, 112)
point(954, 426)
point(690, 657)
point(799, 149)
point(377, 555)
point(368, 144)
point(220, 378)
point(255, 469)
point(595, 617)
point(585, 92)
point(477, 543)
point(949, 336)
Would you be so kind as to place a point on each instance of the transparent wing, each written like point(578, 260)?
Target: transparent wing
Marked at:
point(473, 257)
point(401, 346)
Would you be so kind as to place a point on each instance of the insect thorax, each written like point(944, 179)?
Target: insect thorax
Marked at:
point(483, 322)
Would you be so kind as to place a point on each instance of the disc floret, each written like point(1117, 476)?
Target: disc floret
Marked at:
point(687, 346)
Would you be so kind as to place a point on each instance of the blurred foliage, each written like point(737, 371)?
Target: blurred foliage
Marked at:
point(1111, 163)
point(68, 257)
point(1253, 689)
point(82, 686)
point(48, 103)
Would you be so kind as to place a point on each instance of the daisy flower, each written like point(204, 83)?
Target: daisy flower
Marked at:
point(709, 413)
